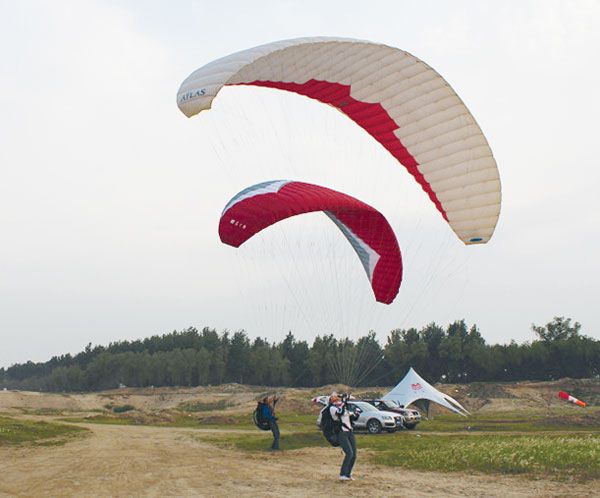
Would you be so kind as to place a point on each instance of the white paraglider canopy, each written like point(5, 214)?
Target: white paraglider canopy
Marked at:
point(413, 389)
point(397, 98)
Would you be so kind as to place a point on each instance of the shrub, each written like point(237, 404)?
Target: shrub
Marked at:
point(122, 408)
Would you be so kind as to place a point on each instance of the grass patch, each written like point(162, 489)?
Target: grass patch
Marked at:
point(261, 441)
point(14, 432)
point(298, 422)
point(111, 407)
point(137, 418)
point(122, 408)
point(99, 419)
point(198, 406)
point(293, 422)
point(43, 411)
point(162, 420)
point(542, 421)
point(558, 456)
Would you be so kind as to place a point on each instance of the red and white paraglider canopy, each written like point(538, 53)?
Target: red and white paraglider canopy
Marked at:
point(397, 98)
point(260, 206)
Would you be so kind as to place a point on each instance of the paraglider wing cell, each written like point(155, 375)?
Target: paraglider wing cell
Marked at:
point(260, 206)
point(397, 98)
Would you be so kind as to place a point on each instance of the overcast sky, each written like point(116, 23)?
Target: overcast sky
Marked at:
point(110, 197)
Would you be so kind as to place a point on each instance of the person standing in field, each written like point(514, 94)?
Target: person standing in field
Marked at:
point(268, 413)
point(340, 414)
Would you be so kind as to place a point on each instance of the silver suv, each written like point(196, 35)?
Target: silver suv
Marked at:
point(410, 417)
point(371, 419)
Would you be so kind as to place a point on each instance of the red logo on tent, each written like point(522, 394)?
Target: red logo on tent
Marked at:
point(416, 386)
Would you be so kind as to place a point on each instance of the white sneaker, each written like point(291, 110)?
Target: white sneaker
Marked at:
point(345, 478)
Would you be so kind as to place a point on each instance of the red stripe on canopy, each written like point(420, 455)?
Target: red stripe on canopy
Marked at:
point(371, 117)
point(252, 214)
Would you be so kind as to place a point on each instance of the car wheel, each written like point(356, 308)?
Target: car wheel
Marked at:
point(410, 427)
point(374, 426)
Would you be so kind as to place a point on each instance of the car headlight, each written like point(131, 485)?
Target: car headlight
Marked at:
point(387, 417)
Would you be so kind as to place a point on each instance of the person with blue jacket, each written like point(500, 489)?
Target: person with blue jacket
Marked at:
point(268, 413)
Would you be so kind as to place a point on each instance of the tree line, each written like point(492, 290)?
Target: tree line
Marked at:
point(454, 354)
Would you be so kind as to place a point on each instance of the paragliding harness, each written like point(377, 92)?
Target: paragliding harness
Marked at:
point(330, 427)
point(259, 418)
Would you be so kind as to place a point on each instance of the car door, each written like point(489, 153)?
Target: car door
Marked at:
point(361, 421)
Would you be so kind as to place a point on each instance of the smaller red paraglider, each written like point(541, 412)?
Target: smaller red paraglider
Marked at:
point(264, 204)
point(571, 399)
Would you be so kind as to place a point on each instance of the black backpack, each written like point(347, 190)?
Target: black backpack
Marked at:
point(259, 419)
point(331, 428)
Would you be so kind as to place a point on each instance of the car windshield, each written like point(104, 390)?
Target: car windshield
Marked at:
point(364, 406)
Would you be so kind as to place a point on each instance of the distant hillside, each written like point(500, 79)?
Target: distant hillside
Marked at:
point(235, 399)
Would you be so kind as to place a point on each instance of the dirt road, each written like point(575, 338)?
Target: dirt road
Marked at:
point(152, 461)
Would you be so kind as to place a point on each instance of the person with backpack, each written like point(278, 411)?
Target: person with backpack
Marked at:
point(268, 414)
point(338, 410)
point(259, 419)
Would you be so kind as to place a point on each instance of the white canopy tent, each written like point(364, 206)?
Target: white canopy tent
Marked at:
point(413, 389)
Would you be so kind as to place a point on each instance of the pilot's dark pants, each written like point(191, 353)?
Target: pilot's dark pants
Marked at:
point(275, 430)
point(348, 444)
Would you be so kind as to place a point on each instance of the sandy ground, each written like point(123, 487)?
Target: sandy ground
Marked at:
point(161, 461)
point(153, 461)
